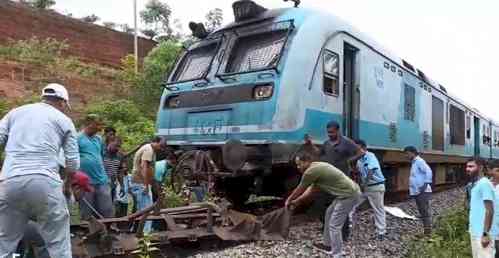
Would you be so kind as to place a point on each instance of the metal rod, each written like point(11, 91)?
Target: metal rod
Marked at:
point(92, 208)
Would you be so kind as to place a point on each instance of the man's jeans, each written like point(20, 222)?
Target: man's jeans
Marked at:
point(143, 200)
point(336, 216)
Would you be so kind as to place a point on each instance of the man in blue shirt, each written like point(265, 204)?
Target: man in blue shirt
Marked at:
point(373, 186)
point(91, 158)
point(420, 186)
point(482, 198)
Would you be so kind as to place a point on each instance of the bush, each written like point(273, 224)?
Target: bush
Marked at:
point(34, 51)
point(157, 65)
point(4, 108)
point(449, 240)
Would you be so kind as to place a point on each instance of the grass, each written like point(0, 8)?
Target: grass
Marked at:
point(450, 238)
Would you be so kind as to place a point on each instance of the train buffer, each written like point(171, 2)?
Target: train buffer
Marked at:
point(120, 237)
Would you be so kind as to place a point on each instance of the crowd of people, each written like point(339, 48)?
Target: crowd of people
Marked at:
point(343, 174)
point(49, 162)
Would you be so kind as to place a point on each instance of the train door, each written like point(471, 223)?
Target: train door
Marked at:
point(351, 97)
point(477, 136)
point(437, 124)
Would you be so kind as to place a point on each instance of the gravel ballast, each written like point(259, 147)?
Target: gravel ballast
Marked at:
point(362, 243)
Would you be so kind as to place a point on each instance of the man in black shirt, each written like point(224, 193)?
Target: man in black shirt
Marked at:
point(338, 151)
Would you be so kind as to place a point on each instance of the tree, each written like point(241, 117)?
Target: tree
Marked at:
point(214, 19)
point(125, 28)
point(90, 18)
point(157, 17)
point(149, 33)
point(157, 65)
point(109, 25)
point(41, 4)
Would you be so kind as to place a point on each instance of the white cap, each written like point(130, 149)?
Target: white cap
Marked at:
point(56, 90)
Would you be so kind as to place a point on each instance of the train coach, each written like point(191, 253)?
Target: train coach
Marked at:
point(249, 92)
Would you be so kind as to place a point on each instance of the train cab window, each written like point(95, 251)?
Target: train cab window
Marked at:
point(409, 103)
point(331, 71)
point(256, 52)
point(196, 63)
point(457, 126)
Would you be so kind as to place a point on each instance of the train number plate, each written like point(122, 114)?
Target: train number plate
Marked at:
point(208, 123)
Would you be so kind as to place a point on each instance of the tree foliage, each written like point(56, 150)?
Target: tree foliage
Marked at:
point(149, 33)
point(126, 28)
point(157, 17)
point(214, 19)
point(110, 25)
point(41, 4)
point(157, 65)
point(90, 18)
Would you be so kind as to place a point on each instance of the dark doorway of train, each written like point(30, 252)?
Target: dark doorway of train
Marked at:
point(351, 100)
point(476, 123)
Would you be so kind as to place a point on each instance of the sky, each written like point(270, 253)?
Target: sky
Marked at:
point(454, 42)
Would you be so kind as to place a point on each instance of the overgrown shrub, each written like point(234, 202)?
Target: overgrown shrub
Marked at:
point(157, 65)
point(449, 240)
point(4, 108)
point(34, 51)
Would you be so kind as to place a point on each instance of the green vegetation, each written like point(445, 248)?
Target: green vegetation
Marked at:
point(145, 247)
point(130, 108)
point(40, 4)
point(46, 57)
point(449, 240)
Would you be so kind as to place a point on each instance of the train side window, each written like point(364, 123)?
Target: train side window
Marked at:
point(331, 71)
point(457, 126)
point(409, 103)
point(468, 127)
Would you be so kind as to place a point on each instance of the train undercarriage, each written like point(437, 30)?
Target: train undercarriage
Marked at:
point(237, 171)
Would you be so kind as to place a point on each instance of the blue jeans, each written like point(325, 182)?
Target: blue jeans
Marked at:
point(143, 199)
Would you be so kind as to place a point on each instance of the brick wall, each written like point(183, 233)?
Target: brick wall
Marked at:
point(92, 43)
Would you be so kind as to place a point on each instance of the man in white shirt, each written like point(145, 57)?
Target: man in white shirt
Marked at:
point(30, 185)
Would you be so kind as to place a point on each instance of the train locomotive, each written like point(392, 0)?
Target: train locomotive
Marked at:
point(240, 100)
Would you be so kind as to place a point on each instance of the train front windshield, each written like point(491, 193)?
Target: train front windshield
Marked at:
point(256, 52)
point(196, 63)
point(240, 50)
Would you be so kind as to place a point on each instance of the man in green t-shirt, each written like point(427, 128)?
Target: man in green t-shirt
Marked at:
point(321, 176)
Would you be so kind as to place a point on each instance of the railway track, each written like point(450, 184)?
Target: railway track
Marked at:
point(188, 232)
point(306, 230)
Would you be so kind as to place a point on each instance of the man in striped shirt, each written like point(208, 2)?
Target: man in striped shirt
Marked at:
point(113, 161)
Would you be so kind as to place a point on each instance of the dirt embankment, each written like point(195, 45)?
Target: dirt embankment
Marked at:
point(89, 42)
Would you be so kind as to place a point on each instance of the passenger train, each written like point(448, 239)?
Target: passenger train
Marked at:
point(264, 81)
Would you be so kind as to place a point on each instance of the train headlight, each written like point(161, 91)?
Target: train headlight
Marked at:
point(263, 92)
point(173, 102)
